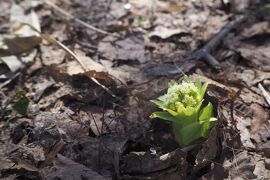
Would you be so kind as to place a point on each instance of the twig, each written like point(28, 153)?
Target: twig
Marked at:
point(9, 80)
point(232, 97)
point(49, 3)
point(85, 68)
point(205, 52)
point(100, 139)
point(65, 48)
point(52, 154)
point(116, 162)
point(264, 93)
point(94, 119)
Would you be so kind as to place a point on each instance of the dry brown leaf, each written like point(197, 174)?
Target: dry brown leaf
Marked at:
point(66, 168)
point(130, 48)
point(52, 154)
point(52, 55)
point(165, 33)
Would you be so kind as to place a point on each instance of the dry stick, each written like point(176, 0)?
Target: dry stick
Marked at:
point(94, 119)
point(52, 154)
point(264, 93)
point(49, 3)
point(85, 68)
point(232, 102)
point(205, 52)
point(100, 139)
point(8, 81)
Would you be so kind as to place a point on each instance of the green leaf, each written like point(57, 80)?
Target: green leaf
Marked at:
point(160, 104)
point(207, 126)
point(173, 113)
point(185, 135)
point(172, 82)
point(203, 89)
point(165, 116)
point(198, 84)
point(206, 113)
point(181, 105)
point(21, 103)
point(186, 79)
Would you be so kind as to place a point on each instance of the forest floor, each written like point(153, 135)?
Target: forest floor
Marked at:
point(85, 115)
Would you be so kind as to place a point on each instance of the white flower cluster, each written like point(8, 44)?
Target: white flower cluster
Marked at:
point(184, 94)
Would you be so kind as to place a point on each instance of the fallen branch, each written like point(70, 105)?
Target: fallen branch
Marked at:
point(264, 93)
point(204, 53)
point(58, 9)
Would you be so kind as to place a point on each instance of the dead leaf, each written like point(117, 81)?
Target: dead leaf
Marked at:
point(34, 154)
point(17, 15)
point(19, 131)
point(18, 45)
point(19, 168)
point(240, 167)
point(130, 48)
point(251, 77)
point(124, 73)
point(12, 62)
point(243, 125)
point(256, 29)
point(107, 50)
point(52, 154)
point(89, 152)
point(25, 39)
point(208, 152)
point(50, 128)
point(143, 163)
point(256, 53)
point(239, 6)
point(37, 88)
point(117, 10)
point(65, 168)
point(249, 97)
point(75, 67)
point(52, 55)
point(165, 33)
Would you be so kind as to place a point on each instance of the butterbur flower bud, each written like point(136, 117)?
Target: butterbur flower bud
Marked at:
point(182, 106)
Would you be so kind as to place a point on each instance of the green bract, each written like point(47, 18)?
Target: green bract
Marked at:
point(182, 106)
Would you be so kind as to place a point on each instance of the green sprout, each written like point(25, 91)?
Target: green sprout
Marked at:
point(181, 105)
